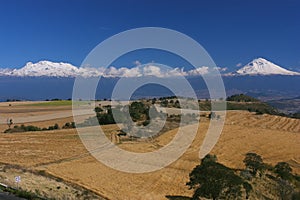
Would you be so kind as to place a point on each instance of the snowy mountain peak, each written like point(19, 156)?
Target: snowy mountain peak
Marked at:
point(261, 66)
point(60, 69)
point(46, 68)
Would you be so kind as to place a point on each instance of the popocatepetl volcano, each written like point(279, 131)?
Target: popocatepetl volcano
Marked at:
point(261, 66)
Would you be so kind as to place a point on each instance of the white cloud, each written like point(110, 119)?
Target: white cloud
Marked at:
point(152, 70)
point(147, 70)
point(221, 69)
point(199, 71)
point(47, 68)
point(176, 72)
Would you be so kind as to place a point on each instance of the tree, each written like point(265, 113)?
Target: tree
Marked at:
point(284, 173)
point(138, 111)
point(214, 180)
point(164, 103)
point(56, 126)
point(209, 158)
point(254, 163)
point(98, 109)
point(283, 170)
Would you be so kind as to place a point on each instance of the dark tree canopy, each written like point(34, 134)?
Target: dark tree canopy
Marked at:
point(214, 180)
point(283, 170)
point(254, 163)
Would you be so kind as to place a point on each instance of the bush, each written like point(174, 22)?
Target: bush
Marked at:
point(53, 127)
point(23, 128)
point(69, 125)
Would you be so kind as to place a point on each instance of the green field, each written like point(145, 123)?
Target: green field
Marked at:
point(52, 103)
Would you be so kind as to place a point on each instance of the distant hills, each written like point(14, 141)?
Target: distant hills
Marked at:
point(291, 105)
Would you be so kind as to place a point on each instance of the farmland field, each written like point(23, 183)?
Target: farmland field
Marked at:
point(60, 153)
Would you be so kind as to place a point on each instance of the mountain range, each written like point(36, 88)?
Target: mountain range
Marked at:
point(259, 66)
point(47, 80)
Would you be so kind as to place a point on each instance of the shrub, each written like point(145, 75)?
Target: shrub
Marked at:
point(69, 125)
point(24, 128)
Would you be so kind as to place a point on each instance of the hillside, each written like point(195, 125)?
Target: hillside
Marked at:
point(234, 102)
point(245, 102)
point(61, 153)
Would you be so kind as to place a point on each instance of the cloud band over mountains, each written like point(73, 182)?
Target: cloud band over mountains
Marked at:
point(52, 69)
point(258, 66)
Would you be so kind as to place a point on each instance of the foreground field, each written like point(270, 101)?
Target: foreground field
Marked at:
point(61, 154)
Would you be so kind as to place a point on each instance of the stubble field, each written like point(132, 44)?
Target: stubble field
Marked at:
point(61, 153)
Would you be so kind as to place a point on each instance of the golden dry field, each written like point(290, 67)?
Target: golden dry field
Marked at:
point(62, 154)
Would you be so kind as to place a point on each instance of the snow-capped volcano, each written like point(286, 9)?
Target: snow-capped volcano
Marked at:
point(51, 69)
point(46, 68)
point(261, 66)
point(54, 69)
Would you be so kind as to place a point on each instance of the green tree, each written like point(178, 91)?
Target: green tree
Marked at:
point(214, 180)
point(254, 163)
point(56, 126)
point(209, 158)
point(283, 170)
point(164, 103)
point(139, 111)
point(98, 109)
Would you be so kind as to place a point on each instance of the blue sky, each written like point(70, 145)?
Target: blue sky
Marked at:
point(232, 31)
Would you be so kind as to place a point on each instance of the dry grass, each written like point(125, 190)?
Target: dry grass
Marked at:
point(62, 154)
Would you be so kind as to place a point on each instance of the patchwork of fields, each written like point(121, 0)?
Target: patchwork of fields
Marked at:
point(60, 153)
